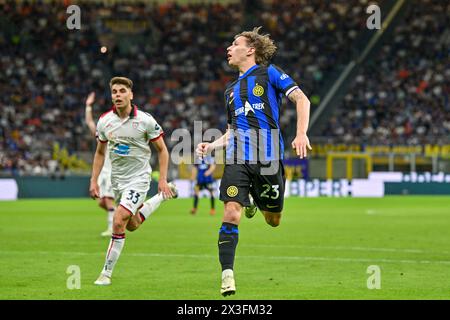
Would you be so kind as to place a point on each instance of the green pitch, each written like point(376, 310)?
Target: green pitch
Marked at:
point(321, 250)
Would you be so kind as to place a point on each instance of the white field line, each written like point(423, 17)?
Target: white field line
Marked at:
point(339, 248)
point(206, 256)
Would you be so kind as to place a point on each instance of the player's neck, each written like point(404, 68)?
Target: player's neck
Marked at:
point(124, 112)
point(245, 66)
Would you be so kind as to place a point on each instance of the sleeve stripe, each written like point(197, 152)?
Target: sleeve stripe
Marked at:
point(156, 138)
point(291, 89)
point(102, 140)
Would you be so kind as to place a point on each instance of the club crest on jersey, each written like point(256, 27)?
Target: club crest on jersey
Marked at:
point(135, 125)
point(232, 191)
point(258, 90)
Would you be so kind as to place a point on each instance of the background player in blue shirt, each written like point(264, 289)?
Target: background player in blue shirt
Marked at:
point(202, 173)
point(254, 145)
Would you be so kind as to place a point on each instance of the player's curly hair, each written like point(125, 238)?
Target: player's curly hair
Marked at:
point(264, 46)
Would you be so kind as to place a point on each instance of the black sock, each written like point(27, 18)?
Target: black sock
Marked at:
point(212, 202)
point(195, 201)
point(228, 240)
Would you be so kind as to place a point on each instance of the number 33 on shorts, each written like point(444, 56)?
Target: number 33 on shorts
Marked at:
point(132, 200)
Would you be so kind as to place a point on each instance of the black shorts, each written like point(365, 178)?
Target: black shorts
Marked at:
point(203, 186)
point(267, 190)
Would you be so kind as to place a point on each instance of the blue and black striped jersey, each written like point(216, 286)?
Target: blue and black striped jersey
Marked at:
point(253, 104)
point(202, 167)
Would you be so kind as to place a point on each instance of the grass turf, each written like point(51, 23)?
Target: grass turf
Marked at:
point(321, 250)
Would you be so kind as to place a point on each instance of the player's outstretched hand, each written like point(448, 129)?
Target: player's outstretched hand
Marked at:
point(202, 149)
point(90, 99)
point(300, 145)
point(94, 190)
point(165, 189)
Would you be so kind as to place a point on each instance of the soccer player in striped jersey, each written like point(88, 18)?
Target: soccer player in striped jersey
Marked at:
point(106, 195)
point(202, 173)
point(125, 133)
point(254, 174)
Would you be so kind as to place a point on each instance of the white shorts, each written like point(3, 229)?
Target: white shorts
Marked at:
point(104, 183)
point(132, 198)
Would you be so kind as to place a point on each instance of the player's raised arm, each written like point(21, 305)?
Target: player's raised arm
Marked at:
point(88, 113)
point(163, 159)
point(97, 166)
point(301, 141)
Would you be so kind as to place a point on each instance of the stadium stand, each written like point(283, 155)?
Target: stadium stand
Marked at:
point(401, 97)
point(176, 56)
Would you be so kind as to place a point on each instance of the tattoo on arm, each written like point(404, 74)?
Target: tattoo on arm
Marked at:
point(296, 95)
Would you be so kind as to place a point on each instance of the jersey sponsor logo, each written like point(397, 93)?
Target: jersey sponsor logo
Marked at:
point(121, 149)
point(258, 106)
point(258, 90)
point(232, 191)
point(247, 108)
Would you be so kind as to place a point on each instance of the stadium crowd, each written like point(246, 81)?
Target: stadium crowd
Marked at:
point(402, 96)
point(175, 55)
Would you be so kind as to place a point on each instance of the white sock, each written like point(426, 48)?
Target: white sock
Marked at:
point(110, 218)
point(151, 205)
point(227, 272)
point(112, 255)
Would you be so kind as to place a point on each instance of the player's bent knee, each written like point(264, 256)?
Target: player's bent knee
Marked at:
point(272, 219)
point(132, 227)
point(134, 223)
point(273, 223)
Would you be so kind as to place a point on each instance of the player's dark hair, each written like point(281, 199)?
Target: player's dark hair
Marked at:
point(264, 46)
point(121, 80)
